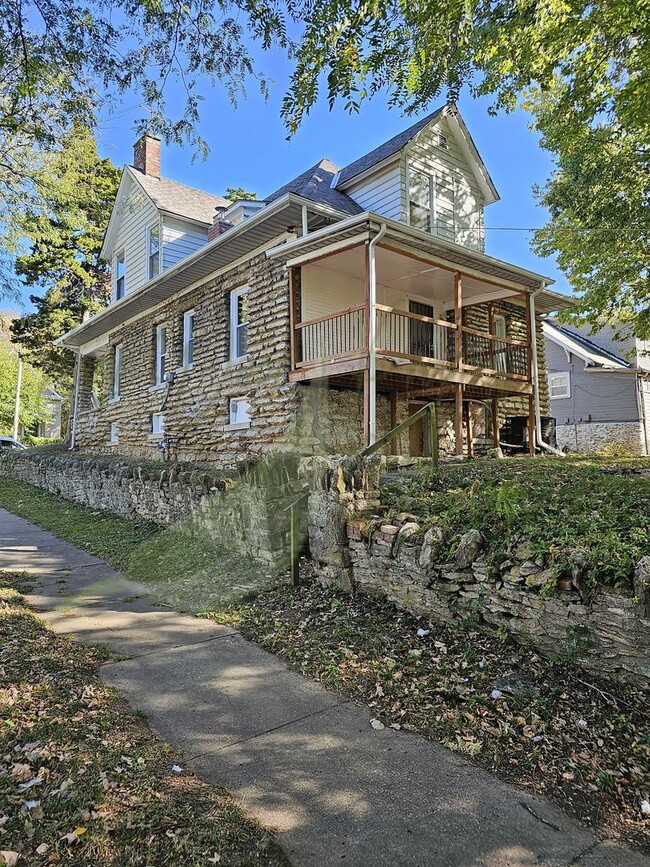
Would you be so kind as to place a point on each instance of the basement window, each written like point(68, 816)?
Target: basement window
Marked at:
point(114, 433)
point(239, 412)
point(157, 424)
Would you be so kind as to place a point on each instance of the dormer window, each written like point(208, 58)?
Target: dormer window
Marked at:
point(153, 251)
point(119, 272)
point(420, 200)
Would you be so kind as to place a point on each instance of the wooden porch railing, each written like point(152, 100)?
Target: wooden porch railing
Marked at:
point(494, 354)
point(417, 338)
point(334, 336)
point(414, 337)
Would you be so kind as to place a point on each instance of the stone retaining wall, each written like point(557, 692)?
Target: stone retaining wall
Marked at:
point(355, 547)
point(246, 514)
point(594, 437)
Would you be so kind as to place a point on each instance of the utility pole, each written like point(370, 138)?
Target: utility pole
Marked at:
point(17, 401)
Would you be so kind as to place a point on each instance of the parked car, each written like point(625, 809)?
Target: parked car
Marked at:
point(10, 443)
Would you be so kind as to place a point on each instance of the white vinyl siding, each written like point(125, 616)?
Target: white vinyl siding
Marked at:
point(457, 198)
point(180, 239)
point(381, 193)
point(136, 216)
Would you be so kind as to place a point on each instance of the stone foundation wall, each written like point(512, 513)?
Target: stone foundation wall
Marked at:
point(247, 514)
point(358, 549)
point(593, 437)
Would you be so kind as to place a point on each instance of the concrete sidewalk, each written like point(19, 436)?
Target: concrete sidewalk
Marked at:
point(303, 761)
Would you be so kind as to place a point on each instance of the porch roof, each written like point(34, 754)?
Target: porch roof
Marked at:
point(406, 238)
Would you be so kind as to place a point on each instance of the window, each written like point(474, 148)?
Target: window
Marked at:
point(420, 200)
point(559, 385)
point(115, 433)
point(119, 271)
point(117, 371)
point(238, 322)
point(153, 251)
point(157, 424)
point(239, 410)
point(188, 338)
point(161, 353)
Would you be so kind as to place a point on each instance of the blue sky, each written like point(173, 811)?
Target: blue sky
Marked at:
point(248, 148)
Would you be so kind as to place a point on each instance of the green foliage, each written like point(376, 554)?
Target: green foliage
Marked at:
point(32, 403)
point(597, 508)
point(65, 230)
point(239, 194)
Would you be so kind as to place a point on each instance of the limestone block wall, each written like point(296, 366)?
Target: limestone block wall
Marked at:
point(593, 437)
point(357, 548)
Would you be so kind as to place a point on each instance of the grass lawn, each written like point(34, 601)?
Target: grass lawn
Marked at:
point(185, 568)
point(550, 726)
point(105, 535)
point(589, 513)
point(84, 781)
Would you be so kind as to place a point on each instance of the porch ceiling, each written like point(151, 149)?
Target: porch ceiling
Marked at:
point(399, 272)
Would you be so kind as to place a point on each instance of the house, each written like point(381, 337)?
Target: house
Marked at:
point(317, 318)
point(599, 388)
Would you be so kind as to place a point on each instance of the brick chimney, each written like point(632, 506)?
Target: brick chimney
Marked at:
point(219, 225)
point(146, 155)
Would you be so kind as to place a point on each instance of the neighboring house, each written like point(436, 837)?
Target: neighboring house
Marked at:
point(317, 318)
point(599, 388)
point(50, 427)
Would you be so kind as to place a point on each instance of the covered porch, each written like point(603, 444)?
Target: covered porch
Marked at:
point(391, 310)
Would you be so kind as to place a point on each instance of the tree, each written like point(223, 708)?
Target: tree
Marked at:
point(239, 194)
point(32, 402)
point(65, 233)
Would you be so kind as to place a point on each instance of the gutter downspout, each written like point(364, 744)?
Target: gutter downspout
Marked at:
point(538, 412)
point(372, 361)
point(77, 380)
point(641, 408)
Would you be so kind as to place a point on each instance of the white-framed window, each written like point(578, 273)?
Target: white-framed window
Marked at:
point(119, 275)
point(157, 424)
point(153, 251)
point(240, 410)
point(559, 385)
point(238, 322)
point(117, 370)
point(420, 200)
point(188, 338)
point(161, 353)
point(114, 433)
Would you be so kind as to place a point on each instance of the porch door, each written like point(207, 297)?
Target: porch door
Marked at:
point(421, 336)
point(501, 349)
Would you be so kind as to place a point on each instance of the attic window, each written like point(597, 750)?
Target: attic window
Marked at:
point(442, 141)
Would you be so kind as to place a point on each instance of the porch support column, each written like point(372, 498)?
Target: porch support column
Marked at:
point(294, 314)
point(458, 319)
point(470, 429)
point(531, 426)
point(458, 419)
point(368, 381)
point(530, 336)
point(495, 422)
point(395, 442)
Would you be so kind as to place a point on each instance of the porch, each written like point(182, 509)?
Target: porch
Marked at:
point(383, 317)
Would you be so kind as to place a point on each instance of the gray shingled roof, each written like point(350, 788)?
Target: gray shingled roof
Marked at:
point(178, 199)
point(385, 150)
point(603, 345)
point(315, 185)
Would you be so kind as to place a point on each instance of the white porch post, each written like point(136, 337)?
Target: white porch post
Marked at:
point(372, 334)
